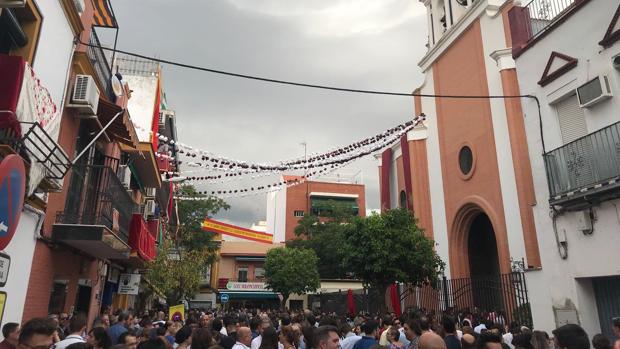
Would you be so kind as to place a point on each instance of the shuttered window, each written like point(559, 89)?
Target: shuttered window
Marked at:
point(571, 119)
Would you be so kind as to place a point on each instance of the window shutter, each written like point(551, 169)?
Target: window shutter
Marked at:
point(572, 119)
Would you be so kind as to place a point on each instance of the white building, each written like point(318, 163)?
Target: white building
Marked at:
point(568, 56)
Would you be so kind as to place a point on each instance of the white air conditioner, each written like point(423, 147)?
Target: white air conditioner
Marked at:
point(85, 97)
point(124, 174)
point(594, 91)
point(79, 6)
point(150, 192)
point(12, 3)
point(149, 208)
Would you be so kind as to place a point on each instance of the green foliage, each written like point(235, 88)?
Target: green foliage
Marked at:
point(387, 248)
point(291, 270)
point(183, 259)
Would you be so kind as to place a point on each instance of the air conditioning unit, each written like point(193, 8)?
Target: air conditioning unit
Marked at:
point(124, 174)
point(12, 3)
point(85, 97)
point(150, 192)
point(149, 208)
point(594, 91)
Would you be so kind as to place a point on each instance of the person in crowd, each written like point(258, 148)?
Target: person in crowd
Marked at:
point(80, 345)
point(244, 338)
point(571, 336)
point(449, 327)
point(288, 338)
point(37, 333)
point(10, 332)
point(255, 322)
point(522, 341)
point(98, 338)
point(615, 324)
point(468, 341)
point(387, 324)
point(183, 338)
point(125, 320)
point(270, 339)
point(425, 324)
point(430, 340)
point(309, 337)
point(201, 339)
point(326, 337)
point(489, 340)
point(599, 341)
point(77, 327)
point(393, 335)
point(265, 323)
point(540, 340)
point(153, 343)
point(368, 339)
point(128, 339)
point(224, 341)
point(413, 333)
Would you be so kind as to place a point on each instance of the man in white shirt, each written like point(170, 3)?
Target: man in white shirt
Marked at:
point(77, 326)
point(244, 338)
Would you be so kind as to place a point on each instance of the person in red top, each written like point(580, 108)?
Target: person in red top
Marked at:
point(10, 332)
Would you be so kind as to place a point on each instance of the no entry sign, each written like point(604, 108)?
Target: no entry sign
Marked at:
point(12, 190)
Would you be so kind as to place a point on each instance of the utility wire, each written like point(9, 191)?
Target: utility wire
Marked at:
point(323, 87)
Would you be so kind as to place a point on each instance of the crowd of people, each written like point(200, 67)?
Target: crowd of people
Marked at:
point(254, 329)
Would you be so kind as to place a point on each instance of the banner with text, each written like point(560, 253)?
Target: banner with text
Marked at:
point(232, 230)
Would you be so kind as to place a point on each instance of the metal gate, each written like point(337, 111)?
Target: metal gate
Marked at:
point(607, 293)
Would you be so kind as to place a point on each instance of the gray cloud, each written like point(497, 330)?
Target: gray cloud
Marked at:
point(359, 44)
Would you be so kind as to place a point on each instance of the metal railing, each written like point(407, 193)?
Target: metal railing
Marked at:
point(100, 62)
point(96, 196)
point(543, 13)
point(584, 162)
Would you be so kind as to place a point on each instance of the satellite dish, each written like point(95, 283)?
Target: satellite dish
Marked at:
point(117, 86)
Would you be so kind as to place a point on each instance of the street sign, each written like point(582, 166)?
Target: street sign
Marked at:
point(129, 284)
point(12, 191)
point(5, 263)
point(224, 298)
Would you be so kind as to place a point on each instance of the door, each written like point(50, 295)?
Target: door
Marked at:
point(82, 301)
point(607, 293)
point(58, 297)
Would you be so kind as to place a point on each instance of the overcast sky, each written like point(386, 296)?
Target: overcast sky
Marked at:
point(364, 44)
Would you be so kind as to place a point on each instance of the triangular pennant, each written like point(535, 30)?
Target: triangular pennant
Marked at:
point(613, 31)
point(557, 65)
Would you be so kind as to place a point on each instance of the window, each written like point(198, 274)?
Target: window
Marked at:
point(403, 199)
point(324, 206)
point(298, 213)
point(466, 160)
point(571, 119)
point(242, 274)
point(259, 273)
point(19, 31)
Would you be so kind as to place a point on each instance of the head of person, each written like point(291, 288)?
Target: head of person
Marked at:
point(288, 336)
point(63, 319)
point(387, 320)
point(326, 337)
point(571, 336)
point(79, 345)
point(37, 333)
point(184, 334)
point(125, 318)
point(244, 335)
point(412, 329)
point(153, 343)
point(523, 341)
point(540, 340)
point(128, 339)
point(98, 338)
point(393, 334)
point(489, 340)
point(429, 340)
point(10, 332)
point(468, 341)
point(448, 324)
point(269, 339)
point(105, 320)
point(425, 324)
point(615, 324)
point(397, 322)
point(370, 328)
point(201, 339)
point(264, 324)
point(77, 324)
point(599, 341)
point(230, 323)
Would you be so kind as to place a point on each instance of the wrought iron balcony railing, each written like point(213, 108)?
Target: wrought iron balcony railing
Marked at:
point(96, 196)
point(584, 164)
point(543, 13)
point(100, 63)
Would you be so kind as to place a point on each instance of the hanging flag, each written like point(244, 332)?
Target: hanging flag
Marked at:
point(104, 16)
point(232, 230)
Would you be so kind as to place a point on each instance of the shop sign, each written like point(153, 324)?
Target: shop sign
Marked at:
point(5, 263)
point(129, 284)
point(12, 191)
point(245, 286)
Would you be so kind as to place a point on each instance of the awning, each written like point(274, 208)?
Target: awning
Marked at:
point(95, 240)
point(122, 129)
point(142, 159)
point(250, 259)
point(103, 14)
point(250, 295)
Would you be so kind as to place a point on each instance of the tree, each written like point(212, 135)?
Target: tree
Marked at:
point(388, 248)
point(187, 252)
point(290, 270)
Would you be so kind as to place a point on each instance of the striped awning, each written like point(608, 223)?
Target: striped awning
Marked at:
point(104, 16)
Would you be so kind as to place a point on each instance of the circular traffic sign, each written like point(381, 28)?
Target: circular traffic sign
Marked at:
point(224, 297)
point(12, 191)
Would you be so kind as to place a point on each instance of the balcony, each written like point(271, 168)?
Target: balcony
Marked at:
point(100, 63)
point(97, 214)
point(586, 170)
point(141, 241)
point(532, 21)
point(164, 163)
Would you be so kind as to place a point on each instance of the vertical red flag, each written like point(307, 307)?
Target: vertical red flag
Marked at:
point(351, 303)
point(395, 298)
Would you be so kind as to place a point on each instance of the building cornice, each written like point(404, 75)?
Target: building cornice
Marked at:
point(73, 16)
point(492, 9)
